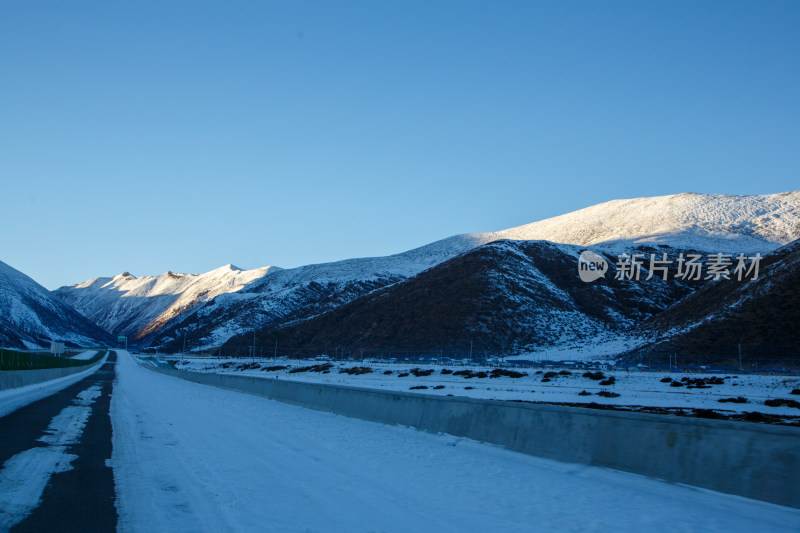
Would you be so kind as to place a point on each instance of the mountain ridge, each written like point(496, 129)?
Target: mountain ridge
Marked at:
point(31, 314)
point(688, 221)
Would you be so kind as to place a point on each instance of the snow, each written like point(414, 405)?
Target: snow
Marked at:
point(189, 457)
point(25, 475)
point(707, 222)
point(27, 307)
point(13, 399)
point(84, 356)
point(150, 301)
point(590, 348)
point(635, 388)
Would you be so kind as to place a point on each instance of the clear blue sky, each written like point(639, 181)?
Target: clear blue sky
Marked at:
point(154, 136)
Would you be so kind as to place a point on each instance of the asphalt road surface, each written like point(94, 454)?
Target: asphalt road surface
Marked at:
point(54, 454)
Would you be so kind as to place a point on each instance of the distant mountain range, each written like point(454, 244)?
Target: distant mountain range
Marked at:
point(503, 297)
point(30, 316)
point(514, 291)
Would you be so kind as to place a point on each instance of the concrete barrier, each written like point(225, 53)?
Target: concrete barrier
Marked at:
point(11, 379)
point(753, 460)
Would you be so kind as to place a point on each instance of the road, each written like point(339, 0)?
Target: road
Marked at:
point(188, 457)
point(54, 454)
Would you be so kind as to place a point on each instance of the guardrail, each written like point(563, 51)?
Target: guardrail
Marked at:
point(748, 459)
point(12, 360)
point(11, 379)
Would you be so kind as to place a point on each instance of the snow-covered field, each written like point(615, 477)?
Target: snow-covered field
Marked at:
point(189, 457)
point(634, 388)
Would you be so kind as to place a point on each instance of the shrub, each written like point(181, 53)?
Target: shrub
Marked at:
point(754, 417)
point(324, 368)
point(778, 402)
point(497, 372)
point(356, 370)
point(608, 394)
point(469, 374)
point(739, 399)
point(708, 413)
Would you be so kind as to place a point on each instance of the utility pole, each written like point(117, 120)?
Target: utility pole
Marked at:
point(470, 351)
point(254, 344)
point(740, 357)
point(275, 354)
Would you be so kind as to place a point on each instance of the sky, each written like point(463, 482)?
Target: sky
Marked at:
point(151, 136)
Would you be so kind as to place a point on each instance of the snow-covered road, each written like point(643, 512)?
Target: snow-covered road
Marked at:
point(189, 457)
point(85, 355)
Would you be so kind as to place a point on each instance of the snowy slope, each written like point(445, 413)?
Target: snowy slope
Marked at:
point(129, 305)
point(28, 311)
point(154, 307)
point(708, 222)
point(503, 297)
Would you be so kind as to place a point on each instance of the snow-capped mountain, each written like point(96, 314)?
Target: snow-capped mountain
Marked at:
point(211, 312)
point(706, 222)
point(504, 297)
point(127, 305)
point(30, 315)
